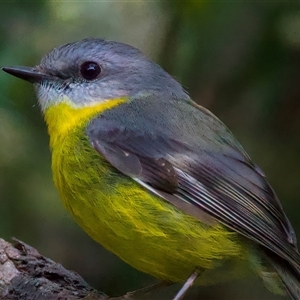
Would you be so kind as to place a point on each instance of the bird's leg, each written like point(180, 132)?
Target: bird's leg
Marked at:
point(143, 291)
point(190, 281)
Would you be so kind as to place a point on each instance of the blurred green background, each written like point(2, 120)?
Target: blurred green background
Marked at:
point(241, 60)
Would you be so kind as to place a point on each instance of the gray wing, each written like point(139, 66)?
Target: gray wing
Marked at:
point(184, 154)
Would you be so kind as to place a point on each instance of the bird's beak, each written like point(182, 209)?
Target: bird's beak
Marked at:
point(30, 74)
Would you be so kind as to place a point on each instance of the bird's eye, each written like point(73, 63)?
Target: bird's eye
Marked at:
point(90, 70)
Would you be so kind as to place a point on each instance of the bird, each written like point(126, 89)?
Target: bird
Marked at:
point(154, 177)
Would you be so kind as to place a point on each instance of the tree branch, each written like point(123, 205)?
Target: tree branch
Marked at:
point(25, 274)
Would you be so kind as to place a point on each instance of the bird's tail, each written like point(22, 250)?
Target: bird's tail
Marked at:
point(286, 277)
point(289, 275)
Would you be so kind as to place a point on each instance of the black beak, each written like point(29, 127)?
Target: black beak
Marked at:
point(27, 73)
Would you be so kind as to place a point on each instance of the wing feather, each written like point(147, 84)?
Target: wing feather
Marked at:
point(201, 171)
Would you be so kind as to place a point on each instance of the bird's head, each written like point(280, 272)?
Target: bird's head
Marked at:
point(90, 71)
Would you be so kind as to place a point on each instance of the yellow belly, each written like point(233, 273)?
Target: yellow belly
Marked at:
point(145, 231)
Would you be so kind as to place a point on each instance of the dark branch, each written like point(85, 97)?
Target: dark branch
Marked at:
point(25, 274)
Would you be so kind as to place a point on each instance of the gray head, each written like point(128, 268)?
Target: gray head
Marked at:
point(94, 70)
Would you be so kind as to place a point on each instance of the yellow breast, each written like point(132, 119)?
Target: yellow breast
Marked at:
point(142, 229)
point(65, 117)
